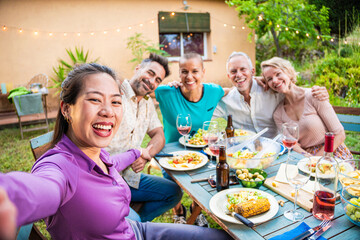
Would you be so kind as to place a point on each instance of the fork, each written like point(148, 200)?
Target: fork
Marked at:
point(311, 231)
point(324, 224)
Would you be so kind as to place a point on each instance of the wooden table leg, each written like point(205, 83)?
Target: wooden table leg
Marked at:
point(195, 212)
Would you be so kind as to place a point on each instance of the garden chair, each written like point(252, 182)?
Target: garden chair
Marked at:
point(350, 119)
point(38, 145)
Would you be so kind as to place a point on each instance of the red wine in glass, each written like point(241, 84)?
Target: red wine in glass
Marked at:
point(324, 205)
point(210, 138)
point(215, 149)
point(289, 143)
point(184, 130)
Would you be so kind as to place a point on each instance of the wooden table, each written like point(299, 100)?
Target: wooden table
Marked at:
point(201, 193)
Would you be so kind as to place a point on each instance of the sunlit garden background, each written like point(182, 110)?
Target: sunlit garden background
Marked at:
point(326, 52)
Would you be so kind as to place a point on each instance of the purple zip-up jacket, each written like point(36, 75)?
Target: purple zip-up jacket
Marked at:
point(76, 198)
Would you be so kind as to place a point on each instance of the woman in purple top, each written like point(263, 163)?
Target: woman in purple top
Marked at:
point(75, 185)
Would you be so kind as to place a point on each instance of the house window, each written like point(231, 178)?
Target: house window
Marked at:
point(177, 44)
point(181, 33)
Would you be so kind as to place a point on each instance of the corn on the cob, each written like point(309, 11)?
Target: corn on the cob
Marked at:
point(253, 207)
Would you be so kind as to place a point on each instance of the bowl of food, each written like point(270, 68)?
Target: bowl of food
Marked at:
point(259, 153)
point(251, 177)
point(351, 203)
point(349, 172)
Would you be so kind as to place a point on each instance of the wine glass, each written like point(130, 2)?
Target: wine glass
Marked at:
point(215, 143)
point(297, 178)
point(210, 130)
point(290, 135)
point(183, 124)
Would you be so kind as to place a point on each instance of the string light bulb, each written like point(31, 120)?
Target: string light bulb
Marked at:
point(129, 27)
point(20, 30)
point(233, 27)
point(152, 21)
point(79, 34)
point(65, 34)
point(345, 42)
point(141, 24)
point(287, 29)
point(105, 32)
point(297, 32)
point(50, 34)
point(162, 18)
point(307, 34)
point(243, 28)
point(36, 33)
point(172, 14)
point(225, 24)
point(318, 37)
point(332, 40)
point(92, 33)
point(260, 18)
point(4, 28)
point(118, 30)
point(278, 25)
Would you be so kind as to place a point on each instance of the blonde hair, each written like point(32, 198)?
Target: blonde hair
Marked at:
point(282, 64)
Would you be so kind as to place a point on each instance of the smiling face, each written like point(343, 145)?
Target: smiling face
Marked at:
point(96, 115)
point(240, 74)
point(147, 78)
point(191, 73)
point(277, 79)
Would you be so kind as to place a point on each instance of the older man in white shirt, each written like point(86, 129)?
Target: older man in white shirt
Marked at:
point(251, 106)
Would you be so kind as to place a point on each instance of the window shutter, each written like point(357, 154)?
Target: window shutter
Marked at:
point(183, 22)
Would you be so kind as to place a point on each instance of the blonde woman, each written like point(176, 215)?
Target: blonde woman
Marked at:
point(314, 117)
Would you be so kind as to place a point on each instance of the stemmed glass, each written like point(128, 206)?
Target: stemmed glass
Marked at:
point(210, 131)
point(297, 178)
point(215, 143)
point(183, 124)
point(290, 135)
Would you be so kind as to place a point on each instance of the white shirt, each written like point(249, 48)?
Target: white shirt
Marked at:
point(255, 117)
point(138, 119)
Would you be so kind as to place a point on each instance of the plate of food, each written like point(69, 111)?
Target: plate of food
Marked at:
point(193, 142)
point(326, 170)
point(184, 160)
point(256, 205)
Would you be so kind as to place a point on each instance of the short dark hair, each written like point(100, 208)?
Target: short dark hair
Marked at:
point(160, 60)
point(192, 55)
point(70, 89)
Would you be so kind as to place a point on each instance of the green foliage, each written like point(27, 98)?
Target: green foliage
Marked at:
point(341, 76)
point(272, 16)
point(63, 69)
point(140, 47)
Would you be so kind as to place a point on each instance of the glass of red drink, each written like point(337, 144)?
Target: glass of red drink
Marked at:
point(183, 125)
point(210, 131)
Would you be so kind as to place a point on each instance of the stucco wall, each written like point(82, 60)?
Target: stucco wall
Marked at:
point(23, 55)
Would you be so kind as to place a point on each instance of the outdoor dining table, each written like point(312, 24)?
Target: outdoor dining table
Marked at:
point(202, 192)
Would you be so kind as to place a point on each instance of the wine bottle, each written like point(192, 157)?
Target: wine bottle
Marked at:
point(222, 171)
point(326, 171)
point(230, 131)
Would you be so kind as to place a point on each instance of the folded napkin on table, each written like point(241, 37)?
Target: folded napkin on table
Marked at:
point(295, 232)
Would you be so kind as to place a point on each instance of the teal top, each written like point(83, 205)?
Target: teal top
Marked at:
point(172, 103)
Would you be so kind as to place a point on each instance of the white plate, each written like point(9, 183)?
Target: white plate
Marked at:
point(302, 166)
point(219, 201)
point(164, 161)
point(182, 141)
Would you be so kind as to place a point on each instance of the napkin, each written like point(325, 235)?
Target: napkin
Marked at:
point(295, 232)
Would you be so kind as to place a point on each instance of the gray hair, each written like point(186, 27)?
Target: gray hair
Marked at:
point(236, 54)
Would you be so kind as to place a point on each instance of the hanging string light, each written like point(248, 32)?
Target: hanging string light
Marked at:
point(260, 17)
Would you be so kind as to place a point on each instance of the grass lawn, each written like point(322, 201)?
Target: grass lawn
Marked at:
point(16, 156)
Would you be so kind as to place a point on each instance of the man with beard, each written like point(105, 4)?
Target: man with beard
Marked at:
point(140, 118)
point(251, 106)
